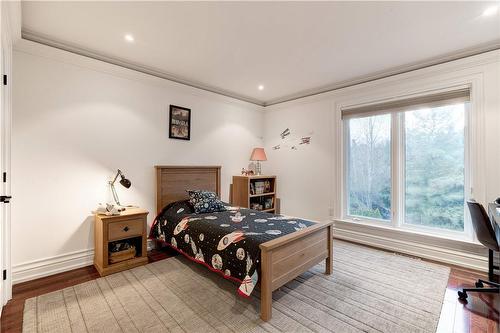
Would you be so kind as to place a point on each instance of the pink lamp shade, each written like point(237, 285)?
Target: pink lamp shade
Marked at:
point(258, 154)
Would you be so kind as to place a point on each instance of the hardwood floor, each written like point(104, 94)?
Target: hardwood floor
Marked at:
point(12, 313)
point(479, 315)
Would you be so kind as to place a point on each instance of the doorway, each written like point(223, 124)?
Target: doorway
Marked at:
point(5, 134)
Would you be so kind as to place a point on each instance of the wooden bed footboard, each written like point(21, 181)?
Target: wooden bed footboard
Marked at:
point(285, 258)
point(282, 259)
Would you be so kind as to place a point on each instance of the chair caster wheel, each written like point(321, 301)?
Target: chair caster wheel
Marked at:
point(479, 284)
point(462, 295)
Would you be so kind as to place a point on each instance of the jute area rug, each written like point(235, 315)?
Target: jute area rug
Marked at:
point(370, 291)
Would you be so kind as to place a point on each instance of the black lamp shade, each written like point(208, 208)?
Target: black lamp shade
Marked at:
point(125, 182)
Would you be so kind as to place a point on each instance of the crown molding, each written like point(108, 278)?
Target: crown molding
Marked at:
point(45, 40)
point(54, 54)
point(463, 67)
point(13, 15)
point(449, 57)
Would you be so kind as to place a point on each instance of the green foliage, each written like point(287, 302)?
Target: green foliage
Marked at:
point(369, 167)
point(434, 167)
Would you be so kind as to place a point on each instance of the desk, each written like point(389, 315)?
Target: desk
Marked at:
point(494, 215)
point(495, 218)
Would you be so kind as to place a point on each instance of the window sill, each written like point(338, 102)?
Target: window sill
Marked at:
point(447, 235)
point(460, 252)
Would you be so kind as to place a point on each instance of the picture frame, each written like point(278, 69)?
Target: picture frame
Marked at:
point(179, 123)
point(268, 204)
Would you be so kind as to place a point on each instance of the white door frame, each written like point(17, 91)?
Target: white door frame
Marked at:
point(5, 154)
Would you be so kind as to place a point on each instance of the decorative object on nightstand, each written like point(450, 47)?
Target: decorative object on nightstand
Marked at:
point(245, 172)
point(258, 155)
point(255, 192)
point(108, 209)
point(120, 241)
point(125, 183)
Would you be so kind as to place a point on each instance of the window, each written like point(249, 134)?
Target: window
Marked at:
point(369, 172)
point(434, 167)
point(405, 162)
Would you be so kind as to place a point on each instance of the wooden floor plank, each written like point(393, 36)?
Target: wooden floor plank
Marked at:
point(447, 317)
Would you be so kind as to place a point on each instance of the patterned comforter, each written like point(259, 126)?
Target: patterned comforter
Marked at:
point(226, 242)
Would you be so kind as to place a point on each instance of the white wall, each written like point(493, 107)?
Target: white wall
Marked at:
point(310, 179)
point(75, 121)
point(299, 169)
point(304, 175)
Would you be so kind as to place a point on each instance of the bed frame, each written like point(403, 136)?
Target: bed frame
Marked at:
point(282, 259)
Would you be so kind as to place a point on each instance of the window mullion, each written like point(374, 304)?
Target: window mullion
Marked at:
point(345, 175)
point(395, 161)
point(468, 169)
point(402, 168)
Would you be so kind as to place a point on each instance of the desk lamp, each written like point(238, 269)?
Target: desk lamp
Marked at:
point(124, 181)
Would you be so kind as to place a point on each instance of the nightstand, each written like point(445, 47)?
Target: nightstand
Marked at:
point(130, 226)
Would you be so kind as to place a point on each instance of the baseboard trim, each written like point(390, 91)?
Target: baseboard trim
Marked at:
point(433, 252)
point(48, 266)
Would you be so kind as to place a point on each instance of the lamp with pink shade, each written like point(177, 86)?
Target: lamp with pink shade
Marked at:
point(258, 154)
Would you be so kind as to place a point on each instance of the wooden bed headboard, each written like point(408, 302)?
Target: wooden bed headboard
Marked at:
point(172, 182)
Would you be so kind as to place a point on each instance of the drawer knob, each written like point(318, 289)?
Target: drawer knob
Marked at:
point(126, 229)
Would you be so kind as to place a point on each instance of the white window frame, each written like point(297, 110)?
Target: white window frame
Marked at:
point(398, 180)
point(345, 186)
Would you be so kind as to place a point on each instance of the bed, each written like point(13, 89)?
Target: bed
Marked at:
point(243, 245)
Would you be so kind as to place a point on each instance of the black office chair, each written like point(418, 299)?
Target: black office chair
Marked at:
point(485, 235)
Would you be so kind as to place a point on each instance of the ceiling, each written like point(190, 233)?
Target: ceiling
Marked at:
point(292, 49)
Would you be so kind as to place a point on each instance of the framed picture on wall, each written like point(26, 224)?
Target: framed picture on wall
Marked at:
point(179, 123)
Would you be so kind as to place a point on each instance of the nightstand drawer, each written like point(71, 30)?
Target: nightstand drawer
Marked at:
point(125, 229)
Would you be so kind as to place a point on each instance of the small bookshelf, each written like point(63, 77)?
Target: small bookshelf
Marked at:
point(255, 192)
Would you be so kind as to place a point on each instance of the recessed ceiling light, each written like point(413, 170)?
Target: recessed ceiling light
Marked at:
point(261, 87)
point(129, 38)
point(490, 11)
